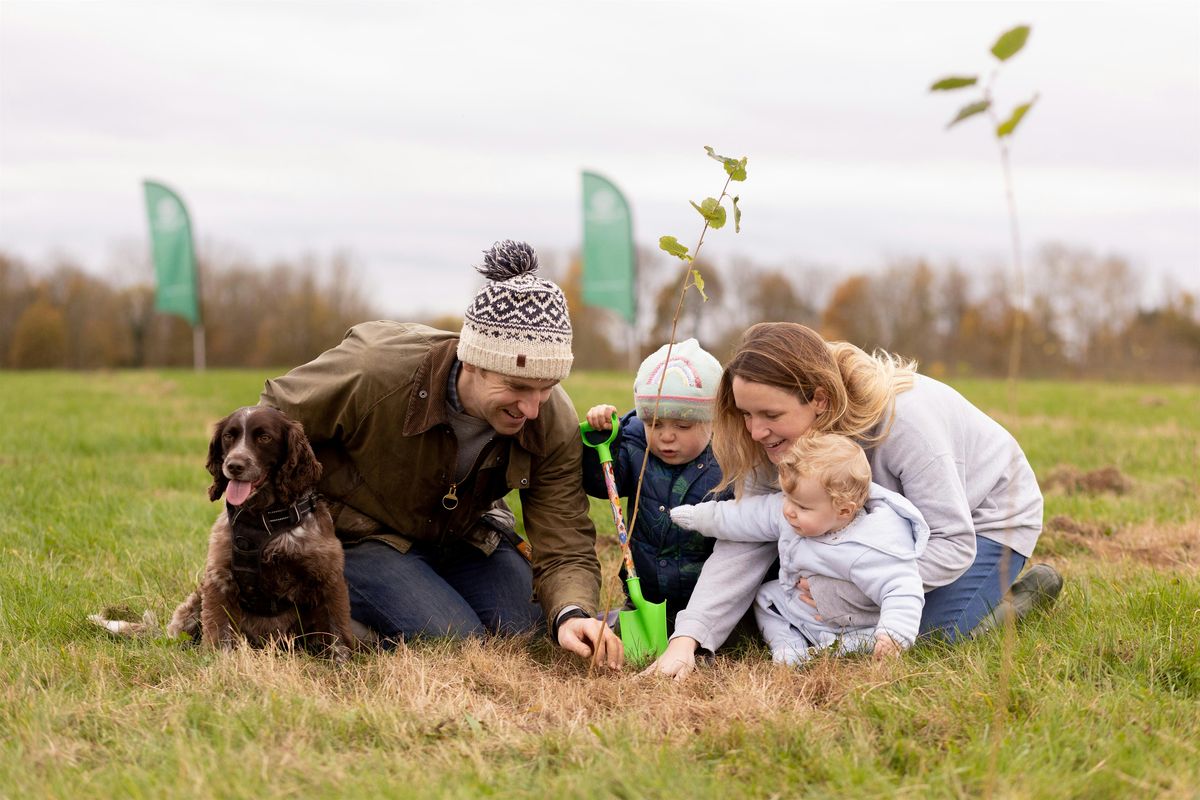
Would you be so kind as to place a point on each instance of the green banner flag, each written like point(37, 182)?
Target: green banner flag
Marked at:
point(609, 267)
point(174, 259)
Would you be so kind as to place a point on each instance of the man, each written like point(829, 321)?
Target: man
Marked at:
point(422, 433)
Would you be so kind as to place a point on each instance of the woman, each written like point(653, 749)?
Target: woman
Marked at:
point(965, 473)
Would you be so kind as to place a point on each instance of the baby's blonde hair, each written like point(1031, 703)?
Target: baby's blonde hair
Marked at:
point(837, 462)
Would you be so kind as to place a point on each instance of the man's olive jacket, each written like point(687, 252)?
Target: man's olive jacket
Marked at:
point(374, 409)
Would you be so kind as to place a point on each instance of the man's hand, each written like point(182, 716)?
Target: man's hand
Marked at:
point(583, 637)
point(677, 661)
point(600, 417)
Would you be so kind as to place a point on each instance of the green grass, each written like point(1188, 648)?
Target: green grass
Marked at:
point(103, 483)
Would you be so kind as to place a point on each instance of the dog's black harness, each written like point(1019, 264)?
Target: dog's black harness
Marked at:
point(249, 535)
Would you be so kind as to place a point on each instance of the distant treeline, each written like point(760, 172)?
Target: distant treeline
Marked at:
point(1083, 316)
point(65, 317)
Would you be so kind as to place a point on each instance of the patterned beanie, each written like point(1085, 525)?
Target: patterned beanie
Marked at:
point(518, 324)
point(689, 390)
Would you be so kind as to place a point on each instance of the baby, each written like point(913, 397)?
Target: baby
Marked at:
point(680, 468)
point(829, 520)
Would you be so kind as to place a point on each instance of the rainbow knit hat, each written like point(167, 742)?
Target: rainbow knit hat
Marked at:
point(689, 389)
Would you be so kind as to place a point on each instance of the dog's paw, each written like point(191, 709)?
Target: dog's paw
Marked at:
point(120, 621)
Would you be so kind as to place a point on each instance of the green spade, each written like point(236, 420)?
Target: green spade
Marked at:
point(644, 629)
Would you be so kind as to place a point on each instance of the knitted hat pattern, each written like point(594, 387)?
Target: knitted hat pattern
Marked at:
point(689, 390)
point(517, 324)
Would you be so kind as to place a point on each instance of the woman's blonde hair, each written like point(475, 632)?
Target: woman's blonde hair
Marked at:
point(860, 390)
point(834, 461)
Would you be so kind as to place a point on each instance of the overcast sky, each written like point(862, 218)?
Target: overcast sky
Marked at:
point(415, 135)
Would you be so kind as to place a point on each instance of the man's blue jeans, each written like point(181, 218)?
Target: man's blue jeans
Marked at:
point(952, 611)
point(455, 591)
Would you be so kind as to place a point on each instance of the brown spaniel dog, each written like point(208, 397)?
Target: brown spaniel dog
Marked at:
point(274, 566)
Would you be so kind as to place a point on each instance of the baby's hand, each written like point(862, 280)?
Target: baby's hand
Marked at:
point(600, 417)
point(886, 646)
point(683, 516)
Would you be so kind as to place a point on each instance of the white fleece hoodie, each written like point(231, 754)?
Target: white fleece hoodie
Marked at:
point(877, 552)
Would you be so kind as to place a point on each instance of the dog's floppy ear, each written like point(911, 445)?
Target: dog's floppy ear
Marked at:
point(300, 469)
point(216, 455)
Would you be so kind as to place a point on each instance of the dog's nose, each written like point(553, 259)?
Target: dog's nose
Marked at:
point(235, 467)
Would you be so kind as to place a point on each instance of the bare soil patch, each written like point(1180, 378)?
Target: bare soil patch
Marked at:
point(1168, 547)
point(1072, 480)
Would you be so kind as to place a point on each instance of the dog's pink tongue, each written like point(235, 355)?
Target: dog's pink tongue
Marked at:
point(237, 492)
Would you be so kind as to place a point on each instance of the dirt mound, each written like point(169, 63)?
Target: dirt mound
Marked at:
point(1170, 547)
point(1073, 481)
point(1064, 524)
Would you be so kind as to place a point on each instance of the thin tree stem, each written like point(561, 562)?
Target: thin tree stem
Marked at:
point(1014, 354)
point(1017, 301)
point(687, 283)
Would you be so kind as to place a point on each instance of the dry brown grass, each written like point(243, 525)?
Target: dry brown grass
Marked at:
point(518, 693)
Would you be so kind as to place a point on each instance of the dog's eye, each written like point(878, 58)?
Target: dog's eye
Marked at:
point(264, 438)
point(227, 436)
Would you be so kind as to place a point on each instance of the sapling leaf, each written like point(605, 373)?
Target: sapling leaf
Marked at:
point(712, 154)
point(735, 168)
point(1009, 125)
point(970, 110)
point(671, 245)
point(712, 211)
point(698, 280)
point(954, 82)
point(737, 216)
point(1010, 42)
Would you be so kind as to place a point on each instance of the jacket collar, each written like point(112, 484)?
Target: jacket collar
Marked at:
point(427, 400)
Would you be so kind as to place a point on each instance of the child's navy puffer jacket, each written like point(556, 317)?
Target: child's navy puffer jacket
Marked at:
point(667, 558)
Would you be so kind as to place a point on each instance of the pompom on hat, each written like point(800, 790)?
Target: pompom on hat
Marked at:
point(518, 323)
point(689, 390)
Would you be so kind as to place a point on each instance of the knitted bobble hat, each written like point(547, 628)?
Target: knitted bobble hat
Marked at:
point(689, 390)
point(517, 324)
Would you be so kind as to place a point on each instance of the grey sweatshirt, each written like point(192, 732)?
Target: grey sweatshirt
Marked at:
point(964, 472)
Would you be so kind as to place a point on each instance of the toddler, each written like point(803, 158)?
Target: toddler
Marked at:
point(829, 520)
point(680, 469)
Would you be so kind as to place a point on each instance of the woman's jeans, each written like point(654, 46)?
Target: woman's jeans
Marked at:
point(952, 611)
point(455, 591)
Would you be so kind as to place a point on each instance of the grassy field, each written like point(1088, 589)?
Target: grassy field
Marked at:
point(104, 489)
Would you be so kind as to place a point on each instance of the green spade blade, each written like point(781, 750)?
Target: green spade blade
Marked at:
point(644, 629)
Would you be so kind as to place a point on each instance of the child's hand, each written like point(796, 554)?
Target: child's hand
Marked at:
point(677, 661)
point(600, 417)
point(886, 646)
